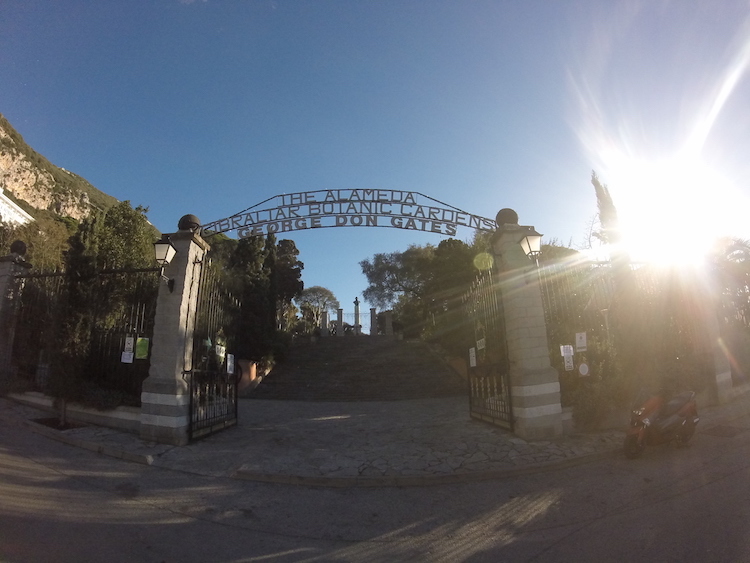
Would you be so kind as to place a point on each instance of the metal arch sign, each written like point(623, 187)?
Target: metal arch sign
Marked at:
point(349, 208)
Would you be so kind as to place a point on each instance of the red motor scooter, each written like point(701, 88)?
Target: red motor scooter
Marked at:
point(659, 420)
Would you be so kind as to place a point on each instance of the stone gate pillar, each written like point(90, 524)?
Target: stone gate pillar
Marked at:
point(10, 266)
point(165, 394)
point(373, 322)
point(324, 324)
point(535, 386)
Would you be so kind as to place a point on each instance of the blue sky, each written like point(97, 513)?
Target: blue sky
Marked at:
point(209, 107)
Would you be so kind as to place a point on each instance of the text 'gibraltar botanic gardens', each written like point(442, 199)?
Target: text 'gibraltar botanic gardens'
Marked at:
point(349, 208)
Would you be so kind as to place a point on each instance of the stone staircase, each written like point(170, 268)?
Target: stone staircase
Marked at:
point(359, 368)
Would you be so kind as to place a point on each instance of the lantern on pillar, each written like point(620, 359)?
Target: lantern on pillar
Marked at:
point(531, 243)
point(164, 251)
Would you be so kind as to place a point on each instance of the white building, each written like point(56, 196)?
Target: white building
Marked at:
point(11, 213)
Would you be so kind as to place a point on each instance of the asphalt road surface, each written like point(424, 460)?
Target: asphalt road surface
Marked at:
point(63, 504)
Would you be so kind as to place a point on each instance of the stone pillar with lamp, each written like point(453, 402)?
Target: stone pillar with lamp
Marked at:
point(535, 386)
point(165, 394)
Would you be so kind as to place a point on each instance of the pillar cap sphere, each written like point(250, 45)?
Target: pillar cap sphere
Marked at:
point(505, 217)
point(188, 222)
point(18, 247)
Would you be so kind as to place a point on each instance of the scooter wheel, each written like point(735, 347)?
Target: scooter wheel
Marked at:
point(633, 447)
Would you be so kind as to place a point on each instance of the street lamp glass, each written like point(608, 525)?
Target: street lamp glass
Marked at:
point(164, 251)
point(531, 243)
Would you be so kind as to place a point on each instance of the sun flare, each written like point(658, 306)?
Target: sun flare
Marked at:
point(673, 210)
point(663, 162)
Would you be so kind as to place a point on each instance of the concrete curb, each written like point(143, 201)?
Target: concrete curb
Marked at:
point(109, 451)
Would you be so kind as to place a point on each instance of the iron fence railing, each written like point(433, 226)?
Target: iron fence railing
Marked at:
point(36, 325)
point(120, 307)
point(127, 322)
point(641, 322)
point(350, 322)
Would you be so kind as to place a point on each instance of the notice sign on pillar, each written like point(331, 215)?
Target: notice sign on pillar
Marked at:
point(568, 363)
point(128, 351)
point(580, 341)
point(141, 349)
point(566, 351)
point(472, 357)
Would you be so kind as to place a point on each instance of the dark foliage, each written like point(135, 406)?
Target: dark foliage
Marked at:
point(266, 276)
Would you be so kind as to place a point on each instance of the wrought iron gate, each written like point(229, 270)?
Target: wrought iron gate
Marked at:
point(488, 374)
point(212, 379)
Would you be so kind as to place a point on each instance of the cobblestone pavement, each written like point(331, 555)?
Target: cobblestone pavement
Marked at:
point(399, 443)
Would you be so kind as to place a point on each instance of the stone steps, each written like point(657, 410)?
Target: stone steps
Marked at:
point(359, 368)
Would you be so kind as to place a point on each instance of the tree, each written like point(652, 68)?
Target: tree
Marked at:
point(288, 270)
point(314, 301)
point(121, 238)
point(609, 223)
point(555, 252)
point(247, 257)
point(289, 284)
point(451, 270)
point(395, 274)
point(222, 249)
point(250, 284)
point(270, 270)
point(125, 238)
point(77, 318)
point(265, 275)
point(423, 284)
point(46, 239)
point(731, 262)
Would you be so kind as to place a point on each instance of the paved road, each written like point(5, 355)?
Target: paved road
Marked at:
point(345, 444)
point(61, 503)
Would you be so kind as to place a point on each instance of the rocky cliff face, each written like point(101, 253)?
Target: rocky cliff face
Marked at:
point(30, 177)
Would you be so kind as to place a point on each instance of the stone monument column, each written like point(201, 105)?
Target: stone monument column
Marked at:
point(389, 323)
point(165, 394)
point(357, 324)
point(324, 324)
point(340, 323)
point(373, 322)
point(535, 386)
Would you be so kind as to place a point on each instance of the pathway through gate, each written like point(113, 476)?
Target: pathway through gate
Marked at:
point(489, 373)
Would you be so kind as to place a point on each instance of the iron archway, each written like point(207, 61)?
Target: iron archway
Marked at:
point(349, 208)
